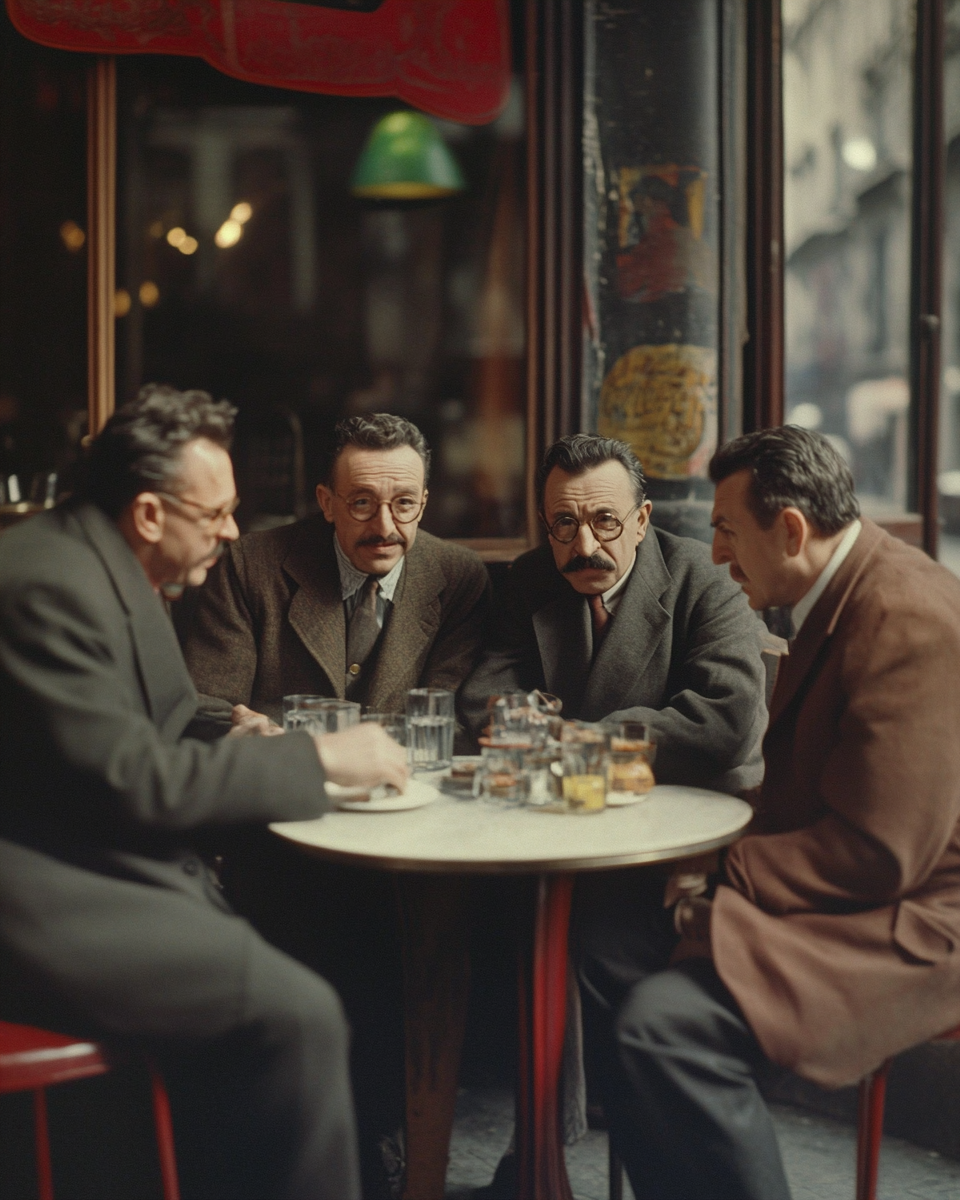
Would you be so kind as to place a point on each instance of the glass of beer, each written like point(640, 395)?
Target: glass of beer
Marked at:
point(632, 752)
point(585, 760)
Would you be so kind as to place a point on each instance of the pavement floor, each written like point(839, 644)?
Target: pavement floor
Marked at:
point(819, 1155)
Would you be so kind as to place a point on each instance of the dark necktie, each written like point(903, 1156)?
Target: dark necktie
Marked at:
point(363, 630)
point(600, 618)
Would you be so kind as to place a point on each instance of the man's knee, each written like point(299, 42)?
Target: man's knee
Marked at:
point(668, 1008)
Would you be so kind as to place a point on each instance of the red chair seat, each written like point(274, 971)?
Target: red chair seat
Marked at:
point(33, 1059)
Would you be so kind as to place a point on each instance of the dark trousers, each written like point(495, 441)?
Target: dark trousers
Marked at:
point(676, 1062)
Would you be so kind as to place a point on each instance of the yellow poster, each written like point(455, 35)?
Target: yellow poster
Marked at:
point(662, 401)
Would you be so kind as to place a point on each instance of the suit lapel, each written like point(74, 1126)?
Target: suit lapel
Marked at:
point(634, 632)
point(169, 694)
point(316, 610)
point(412, 624)
point(822, 621)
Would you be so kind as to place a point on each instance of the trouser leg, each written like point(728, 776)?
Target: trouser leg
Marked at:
point(264, 1112)
point(675, 1059)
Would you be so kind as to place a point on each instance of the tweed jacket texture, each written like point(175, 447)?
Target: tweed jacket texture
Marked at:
point(838, 930)
point(681, 653)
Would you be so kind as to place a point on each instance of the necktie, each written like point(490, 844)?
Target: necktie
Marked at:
point(363, 630)
point(600, 618)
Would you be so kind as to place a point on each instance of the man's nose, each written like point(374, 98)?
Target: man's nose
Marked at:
point(229, 531)
point(586, 541)
point(720, 553)
point(383, 520)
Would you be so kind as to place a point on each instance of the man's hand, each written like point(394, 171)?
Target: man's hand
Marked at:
point(691, 919)
point(247, 723)
point(362, 756)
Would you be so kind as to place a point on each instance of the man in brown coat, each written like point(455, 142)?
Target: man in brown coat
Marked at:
point(833, 938)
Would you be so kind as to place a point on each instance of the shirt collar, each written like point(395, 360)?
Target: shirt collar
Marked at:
point(351, 580)
point(802, 609)
point(613, 594)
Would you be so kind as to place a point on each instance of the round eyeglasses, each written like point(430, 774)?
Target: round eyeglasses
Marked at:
point(606, 527)
point(214, 516)
point(404, 509)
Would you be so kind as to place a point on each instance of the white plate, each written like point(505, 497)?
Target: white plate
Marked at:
point(622, 799)
point(416, 796)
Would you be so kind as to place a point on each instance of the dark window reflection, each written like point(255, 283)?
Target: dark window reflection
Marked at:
point(252, 272)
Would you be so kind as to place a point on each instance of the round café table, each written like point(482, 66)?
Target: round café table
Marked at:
point(431, 847)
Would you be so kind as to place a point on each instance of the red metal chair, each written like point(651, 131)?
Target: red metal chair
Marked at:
point(873, 1094)
point(33, 1059)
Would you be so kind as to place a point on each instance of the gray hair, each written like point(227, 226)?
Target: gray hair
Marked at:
point(376, 431)
point(791, 467)
point(140, 447)
point(579, 452)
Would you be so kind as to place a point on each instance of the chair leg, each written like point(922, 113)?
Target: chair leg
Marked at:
point(616, 1172)
point(41, 1145)
point(164, 1127)
point(873, 1093)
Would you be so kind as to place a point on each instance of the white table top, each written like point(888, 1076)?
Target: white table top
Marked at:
point(453, 835)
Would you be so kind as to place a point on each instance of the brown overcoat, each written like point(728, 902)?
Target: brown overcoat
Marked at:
point(839, 929)
point(270, 622)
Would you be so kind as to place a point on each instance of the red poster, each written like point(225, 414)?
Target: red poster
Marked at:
point(450, 58)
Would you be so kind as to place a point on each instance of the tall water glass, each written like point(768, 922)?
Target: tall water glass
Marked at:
point(430, 727)
point(585, 764)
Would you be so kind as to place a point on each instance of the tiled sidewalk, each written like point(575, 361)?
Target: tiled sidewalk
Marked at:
point(819, 1155)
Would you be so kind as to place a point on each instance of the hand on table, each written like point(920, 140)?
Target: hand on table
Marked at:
point(362, 756)
point(247, 723)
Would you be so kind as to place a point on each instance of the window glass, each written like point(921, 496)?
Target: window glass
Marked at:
point(250, 270)
point(847, 86)
point(949, 476)
point(43, 266)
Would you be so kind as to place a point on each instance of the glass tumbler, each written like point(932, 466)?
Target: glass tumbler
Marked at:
point(585, 758)
point(319, 714)
point(430, 727)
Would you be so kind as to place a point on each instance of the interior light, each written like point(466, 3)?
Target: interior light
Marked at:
point(241, 212)
point(176, 237)
point(121, 302)
point(405, 158)
point(229, 233)
point(149, 293)
point(859, 153)
point(73, 236)
point(188, 245)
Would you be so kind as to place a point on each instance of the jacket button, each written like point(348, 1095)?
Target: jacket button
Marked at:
point(191, 867)
point(354, 668)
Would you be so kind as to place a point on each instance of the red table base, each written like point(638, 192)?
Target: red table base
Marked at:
point(543, 1013)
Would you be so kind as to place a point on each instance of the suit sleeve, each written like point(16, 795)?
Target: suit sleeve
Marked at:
point(712, 716)
point(891, 784)
point(218, 636)
point(458, 643)
point(510, 659)
point(77, 706)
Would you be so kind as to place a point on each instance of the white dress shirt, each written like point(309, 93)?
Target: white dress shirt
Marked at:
point(352, 580)
point(802, 609)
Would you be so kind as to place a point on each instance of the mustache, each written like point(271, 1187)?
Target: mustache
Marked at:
point(374, 539)
point(596, 562)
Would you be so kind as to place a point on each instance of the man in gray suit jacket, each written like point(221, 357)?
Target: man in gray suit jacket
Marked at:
point(625, 622)
point(110, 924)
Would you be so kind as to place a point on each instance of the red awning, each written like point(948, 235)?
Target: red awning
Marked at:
point(450, 58)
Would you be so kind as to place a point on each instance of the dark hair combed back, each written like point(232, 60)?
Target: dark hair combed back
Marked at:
point(139, 448)
point(376, 431)
point(579, 452)
point(791, 467)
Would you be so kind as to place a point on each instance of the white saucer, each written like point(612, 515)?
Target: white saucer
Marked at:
point(416, 796)
point(622, 799)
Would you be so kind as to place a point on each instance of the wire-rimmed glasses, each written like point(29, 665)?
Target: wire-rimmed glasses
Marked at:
point(403, 509)
point(213, 516)
point(605, 525)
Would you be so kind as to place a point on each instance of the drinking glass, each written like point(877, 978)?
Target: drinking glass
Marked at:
point(632, 752)
point(544, 767)
point(430, 726)
point(502, 775)
point(585, 760)
point(395, 724)
point(319, 714)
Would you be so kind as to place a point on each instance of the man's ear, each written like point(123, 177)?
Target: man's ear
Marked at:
point(643, 520)
point(148, 517)
point(325, 500)
point(796, 530)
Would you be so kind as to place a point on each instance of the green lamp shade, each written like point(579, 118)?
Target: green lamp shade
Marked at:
point(405, 158)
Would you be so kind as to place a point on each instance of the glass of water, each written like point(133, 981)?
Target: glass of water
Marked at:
point(319, 714)
point(430, 726)
point(394, 724)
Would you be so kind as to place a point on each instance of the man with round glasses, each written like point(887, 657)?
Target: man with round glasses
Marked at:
point(354, 602)
point(623, 621)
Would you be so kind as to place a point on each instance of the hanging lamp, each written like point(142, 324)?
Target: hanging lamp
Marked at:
point(405, 158)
